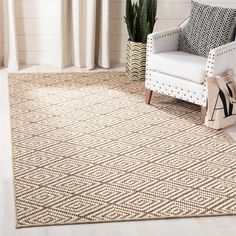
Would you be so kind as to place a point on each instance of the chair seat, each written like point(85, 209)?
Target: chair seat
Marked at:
point(180, 64)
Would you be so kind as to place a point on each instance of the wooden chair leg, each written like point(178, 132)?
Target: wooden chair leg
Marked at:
point(203, 113)
point(148, 96)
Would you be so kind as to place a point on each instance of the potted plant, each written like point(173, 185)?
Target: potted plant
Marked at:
point(140, 19)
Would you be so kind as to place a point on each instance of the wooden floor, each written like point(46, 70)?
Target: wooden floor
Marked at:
point(208, 226)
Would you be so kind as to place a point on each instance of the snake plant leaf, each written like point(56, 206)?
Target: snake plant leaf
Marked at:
point(153, 10)
point(140, 4)
point(140, 18)
point(138, 29)
point(128, 18)
point(144, 19)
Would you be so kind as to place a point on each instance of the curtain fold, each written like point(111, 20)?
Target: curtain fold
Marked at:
point(83, 33)
point(8, 35)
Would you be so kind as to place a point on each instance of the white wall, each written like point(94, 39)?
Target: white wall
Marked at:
point(36, 26)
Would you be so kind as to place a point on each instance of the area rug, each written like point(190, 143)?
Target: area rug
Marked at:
point(87, 149)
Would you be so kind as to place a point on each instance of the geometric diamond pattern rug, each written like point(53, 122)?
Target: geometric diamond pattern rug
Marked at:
point(86, 148)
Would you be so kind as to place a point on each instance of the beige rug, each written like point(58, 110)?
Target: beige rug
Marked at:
point(86, 148)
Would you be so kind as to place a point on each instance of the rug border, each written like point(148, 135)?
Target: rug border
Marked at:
point(125, 220)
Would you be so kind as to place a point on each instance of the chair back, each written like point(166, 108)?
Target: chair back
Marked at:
point(182, 25)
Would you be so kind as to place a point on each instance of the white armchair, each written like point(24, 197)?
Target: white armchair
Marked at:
point(180, 74)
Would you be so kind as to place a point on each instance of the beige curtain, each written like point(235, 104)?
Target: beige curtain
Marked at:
point(8, 39)
point(83, 33)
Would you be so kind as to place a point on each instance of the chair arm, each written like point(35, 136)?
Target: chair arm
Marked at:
point(162, 41)
point(221, 59)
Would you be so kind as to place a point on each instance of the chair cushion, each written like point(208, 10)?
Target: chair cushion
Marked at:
point(208, 27)
point(180, 64)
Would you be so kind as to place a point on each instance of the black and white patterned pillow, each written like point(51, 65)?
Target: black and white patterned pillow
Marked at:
point(208, 27)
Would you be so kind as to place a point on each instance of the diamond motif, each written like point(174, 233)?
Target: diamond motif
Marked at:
point(69, 166)
point(40, 177)
point(36, 143)
point(143, 202)
point(100, 173)
point(202, 199)
point(65, 149)
point(133, 182)
point(108, 193)
point(44, 197)
point(74, 185)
